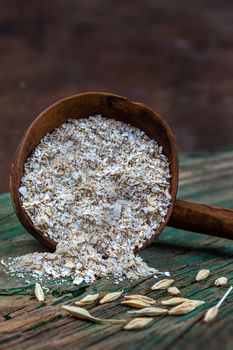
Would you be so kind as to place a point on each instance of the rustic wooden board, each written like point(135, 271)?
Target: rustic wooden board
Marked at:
point(25, 324)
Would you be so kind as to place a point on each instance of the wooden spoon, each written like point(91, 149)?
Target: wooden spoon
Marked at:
point(194, 217)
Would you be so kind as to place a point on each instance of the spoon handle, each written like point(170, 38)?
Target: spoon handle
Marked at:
point(202, 218)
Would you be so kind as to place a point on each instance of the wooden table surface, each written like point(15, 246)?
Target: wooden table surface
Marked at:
point(175, 56)
point(25, 324)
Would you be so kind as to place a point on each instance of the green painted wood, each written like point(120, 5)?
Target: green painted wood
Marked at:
point(25, 324)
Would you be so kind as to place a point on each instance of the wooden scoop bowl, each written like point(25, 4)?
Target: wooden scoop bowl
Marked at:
point(185, 215)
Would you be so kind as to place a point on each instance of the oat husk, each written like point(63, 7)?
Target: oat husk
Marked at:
point(87, 300)
point(173, 291)
point(137, 304)
point(202, 275)
point(211, 314)
point(196, 302)
point(138, 323)
point(111, 297)
point(184, 308)
point(149, 311)
point(141, 298)
point(39, 293)
point(83, 314)
point(163, 284)
point(221, 281)
point(174, 301)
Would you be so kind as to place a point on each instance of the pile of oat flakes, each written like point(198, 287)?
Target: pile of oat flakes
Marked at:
point(99, 188)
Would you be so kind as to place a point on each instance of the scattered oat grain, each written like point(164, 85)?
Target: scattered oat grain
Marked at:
point(39, 293)
point(202, 275)
point(221, 281)
point(211, 314)
point(196, 302)
point(111, 297)
point(82, 313)
point(137, 304)
point(173, 291)
point(182, 309)
point(163, 284)
point(149, 311)
point(140, 297)
point(138, 323)
point(87, 300)
point(174, 301)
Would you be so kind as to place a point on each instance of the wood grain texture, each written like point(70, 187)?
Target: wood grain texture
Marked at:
point(25, 324)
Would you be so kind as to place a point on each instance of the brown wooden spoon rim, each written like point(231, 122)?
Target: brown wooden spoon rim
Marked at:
point(17, 165)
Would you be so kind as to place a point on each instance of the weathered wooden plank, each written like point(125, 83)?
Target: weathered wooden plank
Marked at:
point(25, 324)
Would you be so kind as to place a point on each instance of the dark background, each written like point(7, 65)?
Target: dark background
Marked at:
point(175, 56)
